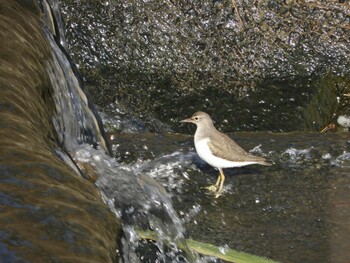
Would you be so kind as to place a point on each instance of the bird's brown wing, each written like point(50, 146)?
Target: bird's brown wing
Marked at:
point(224, 147)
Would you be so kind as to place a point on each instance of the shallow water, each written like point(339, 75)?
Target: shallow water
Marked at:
point(294, 211)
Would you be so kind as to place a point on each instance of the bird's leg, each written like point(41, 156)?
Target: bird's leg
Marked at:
point(218, 180)
point(214, 187)
point(221, 183)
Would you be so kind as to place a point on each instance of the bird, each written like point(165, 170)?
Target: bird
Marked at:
point(218, 149)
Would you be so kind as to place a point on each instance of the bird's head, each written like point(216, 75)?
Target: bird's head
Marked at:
point(199, 117)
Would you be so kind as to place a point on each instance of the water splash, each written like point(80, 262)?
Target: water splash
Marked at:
point(139, 201)
point(296, 156)
point(169, 169)
point(342, 160)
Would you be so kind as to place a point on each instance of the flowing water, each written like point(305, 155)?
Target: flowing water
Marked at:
point(49, 212)
point(52, 137)
point(141, 203)
point(293, 211)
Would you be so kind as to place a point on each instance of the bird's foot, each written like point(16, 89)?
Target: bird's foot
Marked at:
point(212, 188)
point(218, 193)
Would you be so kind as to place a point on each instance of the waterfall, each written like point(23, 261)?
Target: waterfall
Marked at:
point(55, 138)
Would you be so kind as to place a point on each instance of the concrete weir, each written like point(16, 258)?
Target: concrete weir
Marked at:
point(48, 211)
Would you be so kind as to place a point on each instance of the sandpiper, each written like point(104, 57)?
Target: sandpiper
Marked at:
point(219, 150)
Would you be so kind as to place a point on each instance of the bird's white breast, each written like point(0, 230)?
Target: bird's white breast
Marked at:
point(205, 153)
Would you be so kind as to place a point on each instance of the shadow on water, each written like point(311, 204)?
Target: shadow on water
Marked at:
point(294, 211)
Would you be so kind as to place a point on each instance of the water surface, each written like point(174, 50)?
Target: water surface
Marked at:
point(294, 211)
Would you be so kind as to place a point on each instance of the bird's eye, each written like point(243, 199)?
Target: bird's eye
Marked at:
point(196, 118)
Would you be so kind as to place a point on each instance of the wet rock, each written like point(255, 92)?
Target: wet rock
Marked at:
point(164, 60)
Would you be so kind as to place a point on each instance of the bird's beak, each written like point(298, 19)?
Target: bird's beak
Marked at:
point(186, 120)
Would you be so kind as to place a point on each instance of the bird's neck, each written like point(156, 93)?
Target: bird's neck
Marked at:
point(202, 132)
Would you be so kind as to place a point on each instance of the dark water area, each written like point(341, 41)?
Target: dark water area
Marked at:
point(294, 211)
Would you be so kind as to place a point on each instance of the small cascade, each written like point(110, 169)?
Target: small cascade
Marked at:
point(75, 119)
point(137, 199)
point(140, 202)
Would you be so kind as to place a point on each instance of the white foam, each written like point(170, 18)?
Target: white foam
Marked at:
point(296, 154)
point(344, 121)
